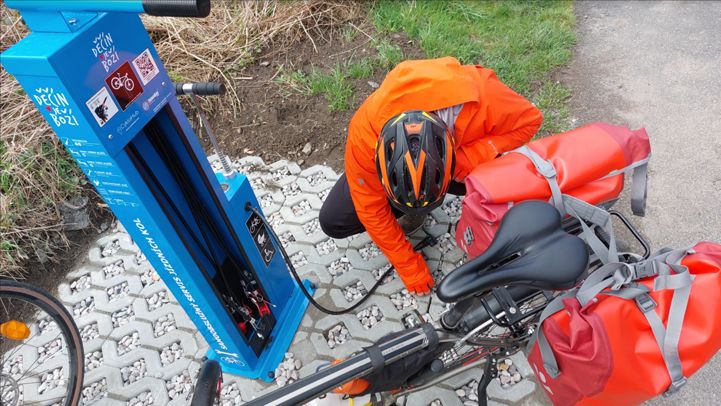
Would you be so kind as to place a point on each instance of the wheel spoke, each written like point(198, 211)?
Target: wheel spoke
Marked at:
point(17, 348)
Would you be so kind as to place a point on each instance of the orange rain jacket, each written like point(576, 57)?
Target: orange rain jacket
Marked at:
point(494, 119)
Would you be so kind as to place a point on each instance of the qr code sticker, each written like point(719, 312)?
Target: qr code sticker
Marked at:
point(145, 65)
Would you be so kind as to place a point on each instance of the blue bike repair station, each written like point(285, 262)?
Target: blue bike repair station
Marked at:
point(91, 69)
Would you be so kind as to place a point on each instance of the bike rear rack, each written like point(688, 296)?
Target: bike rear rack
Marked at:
point(572, 226)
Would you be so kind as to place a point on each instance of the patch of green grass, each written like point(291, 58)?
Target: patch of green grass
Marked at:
point(389, 54)
point(552, 98)
point(361, 69)
point(69, 174)
point(521, 40)
point(293, 81)
point(175, 77)
point(334, 87)
point(7, 250)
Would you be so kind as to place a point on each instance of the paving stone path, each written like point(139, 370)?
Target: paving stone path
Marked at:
point(142, 349)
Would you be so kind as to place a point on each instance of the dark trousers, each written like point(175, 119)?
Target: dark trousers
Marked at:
point(338, 218)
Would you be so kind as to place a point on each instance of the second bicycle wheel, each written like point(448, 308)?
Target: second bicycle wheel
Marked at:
point(41, 353)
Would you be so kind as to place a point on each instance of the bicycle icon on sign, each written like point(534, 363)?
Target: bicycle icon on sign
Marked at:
point(122, 81)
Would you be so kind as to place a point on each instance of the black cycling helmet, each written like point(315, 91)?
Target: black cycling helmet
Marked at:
point(415, 158)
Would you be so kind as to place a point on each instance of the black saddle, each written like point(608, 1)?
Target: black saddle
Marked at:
point(530, 248)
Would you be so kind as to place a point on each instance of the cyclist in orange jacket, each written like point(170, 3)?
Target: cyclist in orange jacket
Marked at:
point(413, 140)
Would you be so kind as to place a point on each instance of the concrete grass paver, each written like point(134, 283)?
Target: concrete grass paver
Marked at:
point(128, 316)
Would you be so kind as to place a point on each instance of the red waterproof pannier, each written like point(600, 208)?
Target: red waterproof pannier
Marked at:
point(631, 332)
point(588, 163)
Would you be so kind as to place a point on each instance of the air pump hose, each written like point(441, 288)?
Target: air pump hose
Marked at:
point(298, 280)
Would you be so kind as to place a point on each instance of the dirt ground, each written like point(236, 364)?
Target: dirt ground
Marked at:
point(276, 123)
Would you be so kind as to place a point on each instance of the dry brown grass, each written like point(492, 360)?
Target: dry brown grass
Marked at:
point(36, 173)
point(219, 46)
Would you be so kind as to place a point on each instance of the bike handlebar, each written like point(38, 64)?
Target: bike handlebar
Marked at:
point(200, 88)
point(363, 363)
point(177, 8)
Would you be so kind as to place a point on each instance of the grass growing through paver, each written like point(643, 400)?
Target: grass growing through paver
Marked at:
point(523, 41)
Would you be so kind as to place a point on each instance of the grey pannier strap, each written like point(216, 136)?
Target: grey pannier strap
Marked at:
point(682, 291)
point(613, 275)
point(639, 179)
point(548, 171)
point(566, 204)
point(619, 276)
point(587, 212)
point(639, 184)
point(639, 189)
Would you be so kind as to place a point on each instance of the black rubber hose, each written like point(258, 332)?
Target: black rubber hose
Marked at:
point(200, 88)
point(299, 281)
point(177, 8)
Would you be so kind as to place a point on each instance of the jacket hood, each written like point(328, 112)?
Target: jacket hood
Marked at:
point(427, 84)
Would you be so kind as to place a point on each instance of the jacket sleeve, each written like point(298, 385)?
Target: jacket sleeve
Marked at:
point(371, 203)
point(510, 122)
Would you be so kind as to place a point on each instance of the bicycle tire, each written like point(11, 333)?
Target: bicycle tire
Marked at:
point(50, 305)
point(207, 386)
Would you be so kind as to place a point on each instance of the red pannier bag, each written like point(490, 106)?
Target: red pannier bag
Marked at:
point(631, 331)
point(587, 163)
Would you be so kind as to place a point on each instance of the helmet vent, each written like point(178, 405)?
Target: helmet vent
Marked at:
point(414, 146)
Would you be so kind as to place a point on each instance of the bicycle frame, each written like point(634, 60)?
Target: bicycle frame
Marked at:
point(383, 354)
point(463, 322)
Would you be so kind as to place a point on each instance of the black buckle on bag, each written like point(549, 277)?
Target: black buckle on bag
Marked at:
point(645, 302)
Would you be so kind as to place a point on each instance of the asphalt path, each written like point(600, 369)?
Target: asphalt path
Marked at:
point(658, 65)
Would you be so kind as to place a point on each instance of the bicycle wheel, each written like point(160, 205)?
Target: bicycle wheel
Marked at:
point(207, 387)
point(41, 353)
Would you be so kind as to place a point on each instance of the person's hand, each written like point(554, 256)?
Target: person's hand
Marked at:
point(420, 282)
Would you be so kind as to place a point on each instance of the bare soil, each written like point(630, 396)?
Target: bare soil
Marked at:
point(276, 123)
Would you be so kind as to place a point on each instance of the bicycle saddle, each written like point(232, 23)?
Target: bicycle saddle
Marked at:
point(530, 248)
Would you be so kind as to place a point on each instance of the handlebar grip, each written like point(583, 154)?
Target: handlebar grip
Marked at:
point(177, 8)
point(200, 88)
